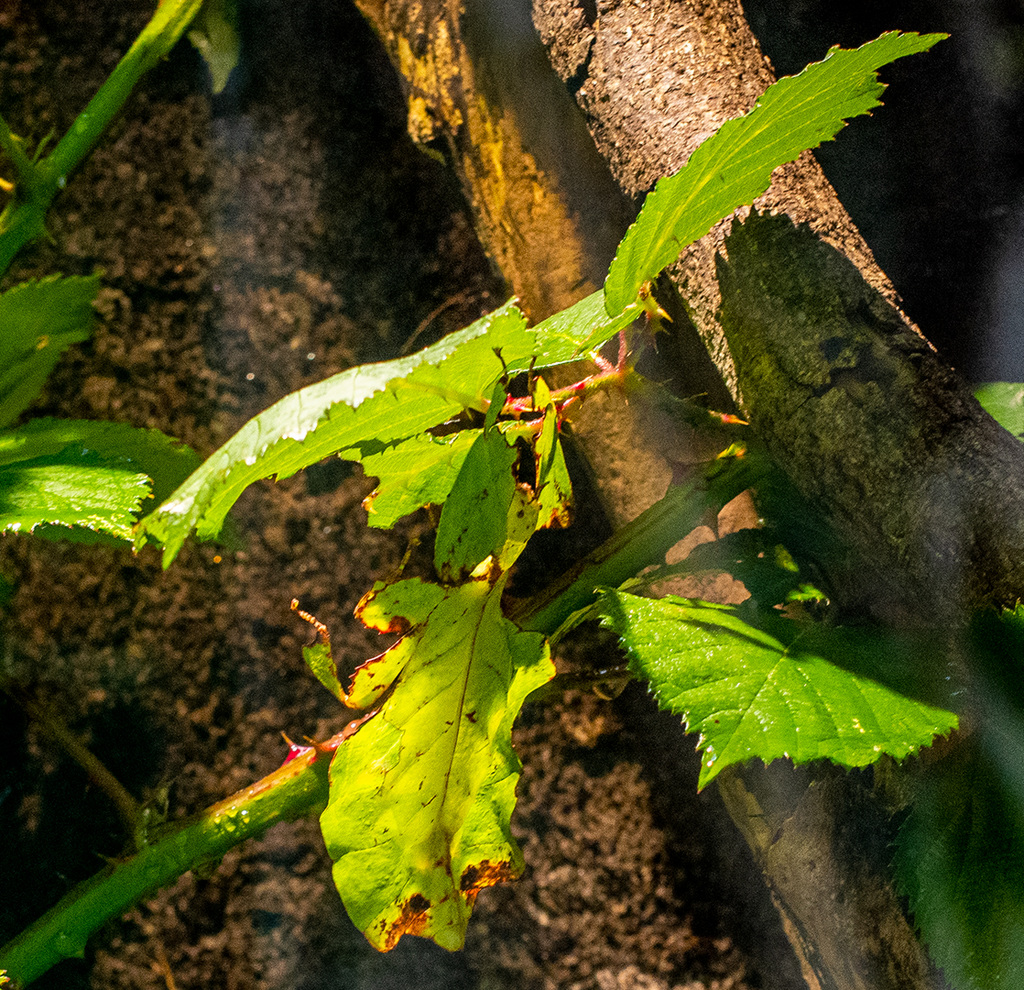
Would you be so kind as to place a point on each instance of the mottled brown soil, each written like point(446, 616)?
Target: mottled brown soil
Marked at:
point(250, 244)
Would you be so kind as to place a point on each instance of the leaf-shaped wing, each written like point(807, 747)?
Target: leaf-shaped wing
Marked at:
point(378, 403)
point(748, 694)
point(734, 166)
point(412, 473)
point(422, 794)
point(554, 495)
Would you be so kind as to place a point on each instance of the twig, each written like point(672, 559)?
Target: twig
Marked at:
point(459, 297)
point(56, 729)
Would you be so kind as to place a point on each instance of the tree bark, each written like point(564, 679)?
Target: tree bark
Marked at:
point(479, 85)
point(856, 406)
point(806, 333)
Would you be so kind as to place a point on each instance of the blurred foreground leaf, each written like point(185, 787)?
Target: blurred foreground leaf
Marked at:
point(39, 320)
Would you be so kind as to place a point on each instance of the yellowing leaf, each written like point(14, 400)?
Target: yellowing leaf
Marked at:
point(422, 794)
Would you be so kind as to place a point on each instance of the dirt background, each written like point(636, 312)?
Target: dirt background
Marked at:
point(252, 243)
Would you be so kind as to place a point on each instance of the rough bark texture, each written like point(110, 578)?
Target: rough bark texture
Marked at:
point(824, 881)
point(547, 210)
point(658, 79)
point(909, 461)
point(849, 397)
point(873, 425)
point(479, 85)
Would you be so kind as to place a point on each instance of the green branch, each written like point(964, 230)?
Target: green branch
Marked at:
point(641, 543)
point(37, 182)
point(296, 789)
point(299, 787)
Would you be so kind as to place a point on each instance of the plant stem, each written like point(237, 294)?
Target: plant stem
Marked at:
point(299, 787)
point(640, 543)
point(37, 183)
point(296, 789)
point(56, 729)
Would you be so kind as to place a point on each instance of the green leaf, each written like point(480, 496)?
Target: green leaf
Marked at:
point(960, 864)
point(164, 459)
point(77, 473)
point(412, 473)
point(92, 496)
point(386, 402)
point(320, 661)
point(421, 795)
point(554, 488)
point(960, 852)
point(214, 34)
point(1004, 402)
point(750, 694)
point(367, 412)
point(580, 329)
point(39, 320)
point(734, 166)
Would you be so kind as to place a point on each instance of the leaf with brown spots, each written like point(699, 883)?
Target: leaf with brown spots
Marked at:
point(420, 800)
